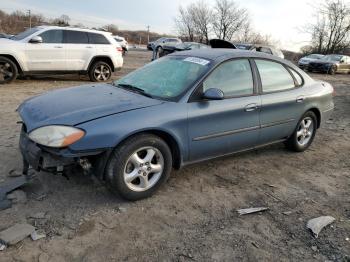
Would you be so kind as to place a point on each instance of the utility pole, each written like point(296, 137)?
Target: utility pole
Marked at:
point(148, 34)
point(30, 18)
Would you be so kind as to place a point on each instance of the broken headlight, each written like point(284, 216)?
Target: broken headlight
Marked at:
point(56, 136)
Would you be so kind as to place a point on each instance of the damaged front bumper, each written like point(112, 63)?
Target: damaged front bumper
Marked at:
point(56, 160)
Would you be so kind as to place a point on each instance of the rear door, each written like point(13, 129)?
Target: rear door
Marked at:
point(79, 51)
point(218, 127)
point(282, 100)
point(50, 55)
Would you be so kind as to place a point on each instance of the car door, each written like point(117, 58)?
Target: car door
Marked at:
point(282, 100)
point(219, 127)
point(78, 50)
point(50, 55)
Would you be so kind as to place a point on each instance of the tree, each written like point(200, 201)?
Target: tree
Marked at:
point(185, 24)
point(111, 28)
point(331, 31)
point(229, 19)
point(201, 16)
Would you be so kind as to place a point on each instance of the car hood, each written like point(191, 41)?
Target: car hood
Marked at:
point(76, 105)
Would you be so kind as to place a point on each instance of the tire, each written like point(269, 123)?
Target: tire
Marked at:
point(300, 140)
point(160, 51)
point(8, 70)
point(333, 70)
point(128, 171)
point(100, 71)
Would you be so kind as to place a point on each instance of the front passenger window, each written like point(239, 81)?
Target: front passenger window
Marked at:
point(52, 37)
point(234, 78)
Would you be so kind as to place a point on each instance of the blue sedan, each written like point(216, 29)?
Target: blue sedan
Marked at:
point(184, 108)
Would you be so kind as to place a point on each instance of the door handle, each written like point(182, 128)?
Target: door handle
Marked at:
point(57, 46)
point(300, 99)
point(88, 47)
point(251, 107)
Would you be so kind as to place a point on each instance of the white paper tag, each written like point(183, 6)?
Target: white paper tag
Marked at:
point(197, 60)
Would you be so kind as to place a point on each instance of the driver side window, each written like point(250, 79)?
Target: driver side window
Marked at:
point(234, 78)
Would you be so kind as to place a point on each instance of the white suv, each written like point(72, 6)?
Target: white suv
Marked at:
point(52, 49)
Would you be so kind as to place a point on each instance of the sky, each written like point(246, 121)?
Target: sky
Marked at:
point(283, 20)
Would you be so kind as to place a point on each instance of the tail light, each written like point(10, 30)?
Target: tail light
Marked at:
point(119, 49)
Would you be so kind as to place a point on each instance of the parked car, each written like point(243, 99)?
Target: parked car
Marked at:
point(303, 62)
point(331, 64)
point(184, 108)
point(272, 50)
point(58, 50)
point(123, 43)
point(3, 35)
point(164, 41)
point(181, 47)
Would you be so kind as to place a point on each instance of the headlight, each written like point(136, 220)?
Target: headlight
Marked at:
point(56, 136)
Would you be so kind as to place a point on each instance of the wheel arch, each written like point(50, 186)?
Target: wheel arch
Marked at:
point(105, 59)
point(167, 137)
point(317, 112)
point(15, 61)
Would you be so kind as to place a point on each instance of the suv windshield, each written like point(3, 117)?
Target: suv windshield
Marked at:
point(166, 78)
point(335, 58)
point(24, 34)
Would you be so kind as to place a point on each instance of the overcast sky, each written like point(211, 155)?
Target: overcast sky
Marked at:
point(282, 19)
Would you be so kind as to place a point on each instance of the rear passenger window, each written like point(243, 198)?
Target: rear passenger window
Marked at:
point(52, 37)
point(76, 37)
point(98, 39)
point(274, 76)
point(234, 78)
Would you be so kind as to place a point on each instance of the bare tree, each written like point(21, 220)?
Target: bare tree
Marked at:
point(229, 19)
point(185, 24)
point(202, 17)
point(331, 31)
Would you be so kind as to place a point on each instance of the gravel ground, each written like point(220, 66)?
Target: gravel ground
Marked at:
point(193, 217)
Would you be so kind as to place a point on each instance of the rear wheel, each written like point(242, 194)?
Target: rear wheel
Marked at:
point(8, 70)
point(304, 134)
point(139, 166)
point(100, 71)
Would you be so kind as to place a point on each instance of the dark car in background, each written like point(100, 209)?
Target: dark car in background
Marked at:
point(184, 108)
point(304, 62)
point(331, 64)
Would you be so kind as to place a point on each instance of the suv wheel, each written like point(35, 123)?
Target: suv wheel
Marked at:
point(304, 134)
point(8, 70)
point(139, 166)
point(100, 71)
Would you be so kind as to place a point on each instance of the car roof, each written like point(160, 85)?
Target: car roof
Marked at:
point(74, 29)
point(220, 54)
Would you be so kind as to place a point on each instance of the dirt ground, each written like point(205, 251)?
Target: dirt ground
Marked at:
point(193, 217)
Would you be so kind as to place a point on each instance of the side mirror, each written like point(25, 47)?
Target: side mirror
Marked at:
point(213, 94)
point(342, 61)
point(36, 40)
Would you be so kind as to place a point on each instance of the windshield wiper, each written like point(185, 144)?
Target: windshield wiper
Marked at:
point(134, 89)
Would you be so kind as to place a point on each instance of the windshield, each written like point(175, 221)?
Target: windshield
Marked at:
point(315, 56)
point(166, 78)
point(24, 34)
point(335, 58)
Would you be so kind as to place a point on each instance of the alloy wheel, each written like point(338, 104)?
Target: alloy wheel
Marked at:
point(6, 71)
point(143, 169)
point(102, 73)
point(305, 131)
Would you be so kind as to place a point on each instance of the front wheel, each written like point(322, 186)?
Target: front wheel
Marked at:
point(333, 70)
point(304, 134)
point(8, 70)
point(139, 166)
point(100, 71)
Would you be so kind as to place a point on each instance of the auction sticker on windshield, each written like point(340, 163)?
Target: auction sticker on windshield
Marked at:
point(197, 60)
